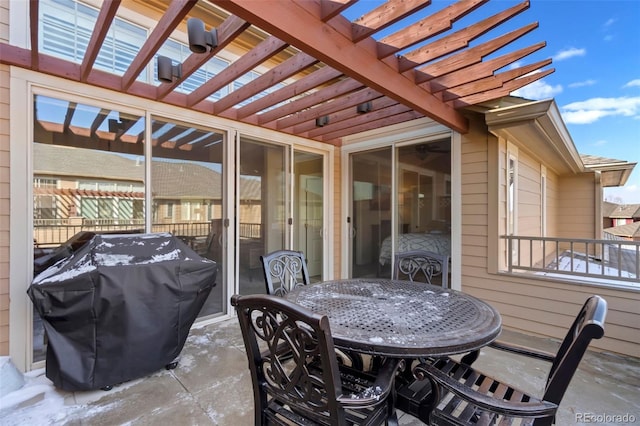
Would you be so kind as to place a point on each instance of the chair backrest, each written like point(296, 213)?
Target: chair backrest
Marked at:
point(294, 337)
point(421, 265)
point(284, 270)
point(588, 325)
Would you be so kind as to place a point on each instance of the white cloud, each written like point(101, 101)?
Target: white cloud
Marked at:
point(538, 90)
point(609, 22)
point(601, 142)
point(592, 110)
point(582, 83)
point(633, 83)
point(569, 53)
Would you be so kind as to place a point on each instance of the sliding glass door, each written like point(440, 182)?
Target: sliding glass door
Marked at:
point(280, 206)
point(262, 209)
point(418, 216)
point(308, 210)
point(370, 210)
point(186, 193)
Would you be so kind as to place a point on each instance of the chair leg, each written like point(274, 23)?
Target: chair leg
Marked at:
point(470, 358)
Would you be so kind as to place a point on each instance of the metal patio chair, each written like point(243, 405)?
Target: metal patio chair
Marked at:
point(308, 386)
point(465, 396)
point(284, 270)
point(422, 265)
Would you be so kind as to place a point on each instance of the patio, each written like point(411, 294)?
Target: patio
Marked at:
point(211, 386)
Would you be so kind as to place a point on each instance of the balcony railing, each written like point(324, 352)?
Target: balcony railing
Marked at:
point(53, 232)
point(594, 259)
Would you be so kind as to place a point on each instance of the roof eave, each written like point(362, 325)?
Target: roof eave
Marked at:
point(613, 175)
point(539, 123)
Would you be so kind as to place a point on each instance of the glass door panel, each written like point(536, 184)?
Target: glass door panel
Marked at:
point(88, 177)
point(186, 185)
point(371, 213)
point(308, 210)
point(263, 209)
point(424, 194)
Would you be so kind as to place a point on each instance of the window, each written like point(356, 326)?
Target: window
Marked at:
point(543, 201)
point(512, 196)
point(66, 27)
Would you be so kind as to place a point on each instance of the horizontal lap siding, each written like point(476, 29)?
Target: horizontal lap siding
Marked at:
point(4, 204)
point(534, 306)
point(576, 208)
point(4, 187)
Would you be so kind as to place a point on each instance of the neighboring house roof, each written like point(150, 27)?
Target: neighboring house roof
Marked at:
point(630, 230)
point(622, 211)
point(608, 208)
point(185, 180)
point(56, 160)
point(175, 180)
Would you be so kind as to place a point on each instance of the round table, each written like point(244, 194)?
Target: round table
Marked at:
point(400, 318)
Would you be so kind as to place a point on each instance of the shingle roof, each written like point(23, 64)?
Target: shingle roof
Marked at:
point(169, 179)
point(631, 230)
point(622, 211)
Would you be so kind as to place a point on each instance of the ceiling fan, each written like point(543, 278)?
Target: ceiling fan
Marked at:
point(424, 149)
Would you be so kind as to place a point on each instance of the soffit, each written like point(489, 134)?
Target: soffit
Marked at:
point(537, 128)
point(428, 68)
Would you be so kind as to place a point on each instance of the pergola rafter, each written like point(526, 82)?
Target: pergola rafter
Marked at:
point(326, 65)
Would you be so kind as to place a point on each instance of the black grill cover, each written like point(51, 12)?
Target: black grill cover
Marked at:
point(119, 308)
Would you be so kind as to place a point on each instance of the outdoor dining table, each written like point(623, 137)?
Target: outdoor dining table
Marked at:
point(397, 318)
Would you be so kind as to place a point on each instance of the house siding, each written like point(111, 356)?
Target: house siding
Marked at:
point(537, 306)
point(576, 207)
point(4, 186)
point(4, 206)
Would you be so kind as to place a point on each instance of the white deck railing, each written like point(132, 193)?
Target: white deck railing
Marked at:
point(600, 259)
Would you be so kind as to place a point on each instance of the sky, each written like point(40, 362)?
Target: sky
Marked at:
point(595, 48)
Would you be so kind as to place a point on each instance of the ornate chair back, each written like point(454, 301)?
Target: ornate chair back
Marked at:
point(284, 270)
point(423, 266)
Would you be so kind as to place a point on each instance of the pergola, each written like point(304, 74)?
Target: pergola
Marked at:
point(332, 65)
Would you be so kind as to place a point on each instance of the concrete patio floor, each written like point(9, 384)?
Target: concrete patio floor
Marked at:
point(211, 386)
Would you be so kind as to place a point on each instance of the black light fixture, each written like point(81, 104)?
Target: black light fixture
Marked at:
point(364, 108)
point(322, 121)
point(199, 39)
point(167, 71)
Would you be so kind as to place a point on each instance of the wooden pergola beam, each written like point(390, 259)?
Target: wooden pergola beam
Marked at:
point(34, 18)
point(470, 56)
point(316, 98)
point(346, 101)
point(492, 82)
point(262, 52)
point(100, 30)
point(294, 24)
point(344, 114)
point(383, 16)
point(457, 40)
point(334, 137)
point(505, 90)
point(227, 33)
point(174, 15)
point(426, 28)
point(308, 82)
point(482, 69)
point(332, 8)
point(275, 75)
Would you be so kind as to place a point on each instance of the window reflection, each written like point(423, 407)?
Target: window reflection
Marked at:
point(88, 176)
point(186, 190)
